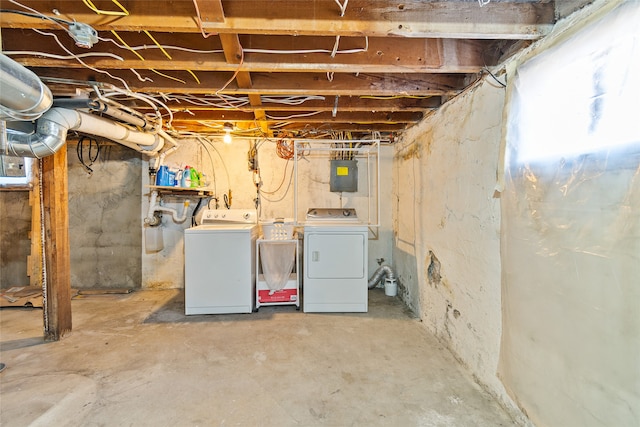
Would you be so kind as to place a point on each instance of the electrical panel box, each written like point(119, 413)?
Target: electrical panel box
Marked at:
point(344, 176)
point(12, 166)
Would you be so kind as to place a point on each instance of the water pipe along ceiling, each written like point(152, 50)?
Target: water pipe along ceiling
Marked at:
point(301, 68)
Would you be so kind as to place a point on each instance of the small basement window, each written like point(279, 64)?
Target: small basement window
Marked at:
point(580, 97)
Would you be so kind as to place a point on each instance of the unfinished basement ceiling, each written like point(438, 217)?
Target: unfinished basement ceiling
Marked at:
point(305, 67)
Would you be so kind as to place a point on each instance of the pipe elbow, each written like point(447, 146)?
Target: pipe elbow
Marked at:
point(380, 273)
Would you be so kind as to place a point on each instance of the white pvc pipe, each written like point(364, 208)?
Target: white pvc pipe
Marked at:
point(154, 207)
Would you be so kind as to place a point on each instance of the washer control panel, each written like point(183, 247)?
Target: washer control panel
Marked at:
point(237, 216)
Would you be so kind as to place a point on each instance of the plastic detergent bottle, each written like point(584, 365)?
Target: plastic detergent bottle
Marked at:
point(195, 178)
point(186, 177)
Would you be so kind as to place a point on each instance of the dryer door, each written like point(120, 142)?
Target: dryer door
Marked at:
point(335, 256)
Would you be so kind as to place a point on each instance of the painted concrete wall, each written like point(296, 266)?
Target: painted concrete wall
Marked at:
point(228, 166)
point(15, 246)
point(104, 237)
point(447, 227)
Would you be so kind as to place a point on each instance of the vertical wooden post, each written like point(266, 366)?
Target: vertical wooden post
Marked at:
point(57, 292)
point(34, 260)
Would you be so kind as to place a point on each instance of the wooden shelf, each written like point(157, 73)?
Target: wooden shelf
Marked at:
point(183, 191)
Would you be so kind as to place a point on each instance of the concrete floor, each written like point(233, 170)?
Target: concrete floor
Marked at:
point(136, 360)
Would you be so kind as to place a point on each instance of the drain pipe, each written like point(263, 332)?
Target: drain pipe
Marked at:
point(154, 207)
point(383, 270)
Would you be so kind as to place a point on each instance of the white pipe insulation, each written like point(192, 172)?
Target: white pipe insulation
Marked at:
point(52, 128)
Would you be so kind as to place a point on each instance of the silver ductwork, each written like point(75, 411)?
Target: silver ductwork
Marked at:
point(23, 96)
point(381, 272)
point(52, 128)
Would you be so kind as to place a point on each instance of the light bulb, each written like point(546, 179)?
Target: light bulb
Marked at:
point(228, 127)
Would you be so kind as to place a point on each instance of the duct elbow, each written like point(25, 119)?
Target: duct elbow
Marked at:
point(50, 135)
point(380, 273)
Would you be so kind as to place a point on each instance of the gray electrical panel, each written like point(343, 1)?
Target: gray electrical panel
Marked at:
point(12, 166)
point(344, 176)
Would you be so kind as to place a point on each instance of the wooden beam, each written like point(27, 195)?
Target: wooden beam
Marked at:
point(307, 116)
point(282, 83)
point(210, 11)
point(382, 55)
point(381, 18)
point(57, 294)
point(234, 54)
point(306, 128)
point(345, 104)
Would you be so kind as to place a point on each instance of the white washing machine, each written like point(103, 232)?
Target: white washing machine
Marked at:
point(335, 262)
point(220, 262)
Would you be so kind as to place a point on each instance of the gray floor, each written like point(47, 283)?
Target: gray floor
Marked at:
point(136, 360)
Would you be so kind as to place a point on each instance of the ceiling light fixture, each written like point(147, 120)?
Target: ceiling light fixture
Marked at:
point(228, 127)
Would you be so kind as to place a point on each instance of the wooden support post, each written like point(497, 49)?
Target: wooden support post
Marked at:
point(57, 287)
point(34, 260)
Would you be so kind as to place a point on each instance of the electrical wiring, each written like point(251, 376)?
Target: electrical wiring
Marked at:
point(97, 70)
point(142, 58)
point(143, 97)
point(40, 14)
point(126, 45)
point(293, 116)
point(494, 77)
point(92, 157)
point(36, 15)
point(213, 169)
point(284, 175)
point(247, 50)
point(286, 191)
point(157, 44)
point(199, 21)
point(142, 79)
point(333, 51)
point(123, 11)
point(394, 97)
point(343, 7)
point(233, 76)
point(194, 76)
point(163, 46)
point(168, 57)
point(285, 148)
point(54, 56)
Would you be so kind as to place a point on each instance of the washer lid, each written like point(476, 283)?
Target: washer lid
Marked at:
point(221, 227)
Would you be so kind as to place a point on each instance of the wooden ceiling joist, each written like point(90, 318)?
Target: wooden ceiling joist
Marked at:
point(381, 18)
